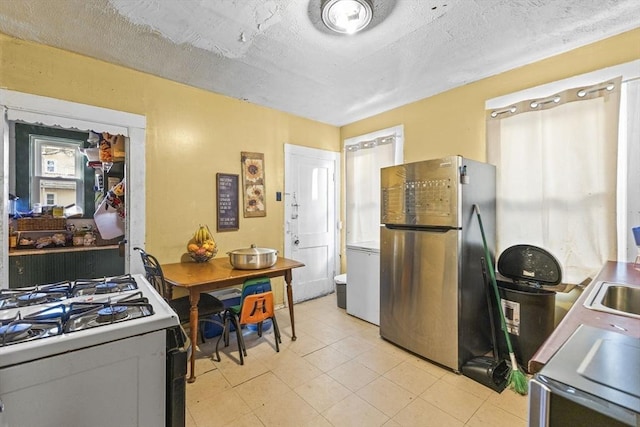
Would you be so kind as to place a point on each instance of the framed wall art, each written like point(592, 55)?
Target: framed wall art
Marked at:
point(227, 202)
point(253, 184)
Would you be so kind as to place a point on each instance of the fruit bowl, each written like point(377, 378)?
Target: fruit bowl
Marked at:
point(202, 247)
point(203, 257)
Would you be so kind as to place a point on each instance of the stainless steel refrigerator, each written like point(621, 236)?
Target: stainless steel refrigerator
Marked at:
point(432, 295)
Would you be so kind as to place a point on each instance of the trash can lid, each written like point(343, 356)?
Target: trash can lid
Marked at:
point(528, 263)
point(341, 279)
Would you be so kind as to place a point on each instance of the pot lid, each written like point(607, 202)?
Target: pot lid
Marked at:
point(528, 263)
point(253, 251)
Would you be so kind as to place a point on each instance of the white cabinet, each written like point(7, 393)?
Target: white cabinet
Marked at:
point(363, 282)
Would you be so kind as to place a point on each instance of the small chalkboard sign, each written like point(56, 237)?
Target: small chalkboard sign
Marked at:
point(227, 202)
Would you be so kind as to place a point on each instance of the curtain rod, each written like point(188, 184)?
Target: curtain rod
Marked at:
point(381, 140)
point(632, 79)
point(627, 70)
point(580, 93)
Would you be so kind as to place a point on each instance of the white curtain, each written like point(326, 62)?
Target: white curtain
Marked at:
point(363, 163)
point(629, 159)
point(556, 161)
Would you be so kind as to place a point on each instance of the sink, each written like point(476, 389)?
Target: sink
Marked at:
point(622, 298)
point(616, 298)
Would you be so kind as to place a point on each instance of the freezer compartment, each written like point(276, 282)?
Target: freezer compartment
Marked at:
point(435, 193)
point(419, 292)
point(421, 193)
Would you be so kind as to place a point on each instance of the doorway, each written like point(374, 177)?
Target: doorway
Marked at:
point(311, 218)
point(28, 108)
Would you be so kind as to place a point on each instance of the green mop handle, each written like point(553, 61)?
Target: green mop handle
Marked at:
point(492, 275)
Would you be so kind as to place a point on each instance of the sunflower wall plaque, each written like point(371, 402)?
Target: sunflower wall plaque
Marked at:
point(253, 184)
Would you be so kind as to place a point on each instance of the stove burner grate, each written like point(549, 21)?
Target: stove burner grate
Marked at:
point(23, 297)
point(17, 330)
point(85, 315)
point(104, 286)
point(14, 331)
point(111, 314)
point(31, 299)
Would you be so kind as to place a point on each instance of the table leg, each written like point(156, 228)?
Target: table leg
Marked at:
point(287, 279)
point(194, 298)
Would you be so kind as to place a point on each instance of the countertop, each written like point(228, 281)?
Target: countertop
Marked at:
point(578, 314)
point(45, 251)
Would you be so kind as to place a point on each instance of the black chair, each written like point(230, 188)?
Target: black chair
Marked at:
point(209, 307)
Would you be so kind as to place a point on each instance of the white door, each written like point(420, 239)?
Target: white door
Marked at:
point(311, 226)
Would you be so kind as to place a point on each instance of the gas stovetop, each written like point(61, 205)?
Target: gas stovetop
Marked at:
point(73, 316)
point(42, 320)
point(56, 292)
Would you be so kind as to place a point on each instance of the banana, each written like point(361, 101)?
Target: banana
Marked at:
point(202, 236)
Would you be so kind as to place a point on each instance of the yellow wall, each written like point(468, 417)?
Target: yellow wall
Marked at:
point(453, 122)
point(191, 135)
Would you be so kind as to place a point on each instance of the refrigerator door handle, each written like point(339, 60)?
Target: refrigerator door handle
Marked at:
point(415, 228)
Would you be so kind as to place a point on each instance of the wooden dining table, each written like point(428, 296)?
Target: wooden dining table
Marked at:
point(216, 274)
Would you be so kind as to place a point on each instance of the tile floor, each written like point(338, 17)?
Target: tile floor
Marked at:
point(339, 372)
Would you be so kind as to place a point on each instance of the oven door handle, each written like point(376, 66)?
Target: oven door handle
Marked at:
point(539, 403)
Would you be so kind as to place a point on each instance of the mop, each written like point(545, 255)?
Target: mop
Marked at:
point(517, 379)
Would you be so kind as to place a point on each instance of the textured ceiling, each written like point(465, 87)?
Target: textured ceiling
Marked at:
point(278, 54)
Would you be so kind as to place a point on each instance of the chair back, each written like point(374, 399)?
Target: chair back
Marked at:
point(257, 308)
point(255, 286)
point(154, 274)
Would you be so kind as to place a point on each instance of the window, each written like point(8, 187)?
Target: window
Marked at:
point(51, 166)
point(365, 155)
point(566, 169)
point(51, 199)
point(58, 175)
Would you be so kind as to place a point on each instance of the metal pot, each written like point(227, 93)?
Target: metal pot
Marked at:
point(253, 258)
point(11, 205)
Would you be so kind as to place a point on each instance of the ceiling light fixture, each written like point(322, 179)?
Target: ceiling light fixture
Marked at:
point(346, 16)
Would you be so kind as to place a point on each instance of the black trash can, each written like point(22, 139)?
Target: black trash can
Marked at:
point(529, 309)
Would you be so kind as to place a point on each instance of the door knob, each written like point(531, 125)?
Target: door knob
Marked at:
point(296, 242)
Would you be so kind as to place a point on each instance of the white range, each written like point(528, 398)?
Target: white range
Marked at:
point(94, 353)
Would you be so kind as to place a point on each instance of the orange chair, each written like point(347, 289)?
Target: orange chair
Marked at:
point(255, 309)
